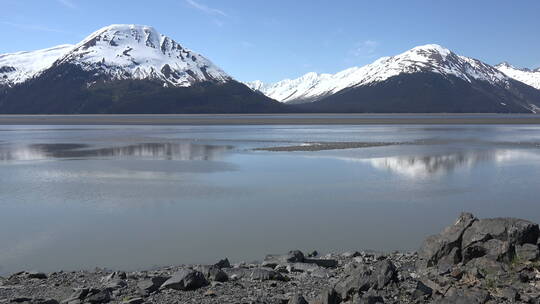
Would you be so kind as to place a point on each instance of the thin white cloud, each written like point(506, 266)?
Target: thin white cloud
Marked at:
point(206, 9)
point(365, 49)
point(32, 27)
point(67, 3)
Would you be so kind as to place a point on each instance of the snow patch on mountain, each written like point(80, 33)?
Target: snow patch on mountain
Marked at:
point(527, 76)
point(18, 67)
point(427, 58)
point(139, 52)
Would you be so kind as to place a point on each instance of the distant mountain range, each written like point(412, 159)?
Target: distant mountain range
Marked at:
point(427, 78)
point(135, 69)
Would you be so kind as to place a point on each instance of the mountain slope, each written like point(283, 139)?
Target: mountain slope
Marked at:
point(18, 67)
point(427, 78)
point(132, 69)
point(529, 77)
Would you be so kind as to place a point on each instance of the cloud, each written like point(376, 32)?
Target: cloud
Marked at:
point(365, 49)
point(32, 27)
point(205, 9)
point(67, 3)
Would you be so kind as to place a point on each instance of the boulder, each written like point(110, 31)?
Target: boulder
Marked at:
point(497, 239)
point(151, 285)
point(96, 296)
point(437, 247)
point(213, 273)
point(224, 263)
point(527, 252)
point(363, 279)
point(185, 279)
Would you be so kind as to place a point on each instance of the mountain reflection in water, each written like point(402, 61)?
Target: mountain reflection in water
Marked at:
point(162, 151)
point(424, 166)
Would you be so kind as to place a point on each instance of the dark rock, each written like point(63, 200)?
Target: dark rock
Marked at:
point(421, 291)
point(96, 296)
point(368, 299)
point(326, 263)
point(363, 279)
point(185, 279)
point(224, 263)
point(467, 296)
point(45, 301)
point(21, 300)
point(261, 274)
point(509, 232)
point(78, 295)
point(435, 247)
point(328, 296)
point(527, 252)
point(385, 272)
point(151, 285)
point(213, 273)
point(313, 254)
point(297, 299)
point(36, 275)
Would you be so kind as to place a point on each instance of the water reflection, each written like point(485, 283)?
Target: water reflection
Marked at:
point(433, 165)
point(162, 151)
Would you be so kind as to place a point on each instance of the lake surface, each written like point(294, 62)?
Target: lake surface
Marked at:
point(131, 197)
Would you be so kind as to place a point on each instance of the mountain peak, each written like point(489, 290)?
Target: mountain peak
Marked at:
point(129, 51)
point(432, 47)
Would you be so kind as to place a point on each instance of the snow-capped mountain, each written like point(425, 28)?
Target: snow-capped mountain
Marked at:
point(123, 69)
point(123, 51)
point(426, 58)
point(18, 67)
point(527, 76)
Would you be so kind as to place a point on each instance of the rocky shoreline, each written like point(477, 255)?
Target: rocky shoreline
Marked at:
point(472, 261)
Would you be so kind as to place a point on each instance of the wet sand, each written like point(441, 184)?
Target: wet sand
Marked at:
point(321, 146)
point(269, 119)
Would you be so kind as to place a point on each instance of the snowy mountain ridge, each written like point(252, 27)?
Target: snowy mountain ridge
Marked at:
point(139, 52)
point(118, 52)
point(527, 76)
point(18, 67)
point(425, 58)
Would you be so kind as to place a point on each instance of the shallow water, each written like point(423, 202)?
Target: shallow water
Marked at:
point(130, 197)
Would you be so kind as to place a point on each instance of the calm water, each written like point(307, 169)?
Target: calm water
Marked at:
point(133, 197)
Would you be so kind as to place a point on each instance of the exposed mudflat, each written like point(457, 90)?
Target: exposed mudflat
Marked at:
point(269, 119)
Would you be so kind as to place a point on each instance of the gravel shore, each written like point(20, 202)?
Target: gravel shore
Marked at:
point(472, 261)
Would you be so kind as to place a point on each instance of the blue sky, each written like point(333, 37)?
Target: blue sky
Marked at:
point(272, 40)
